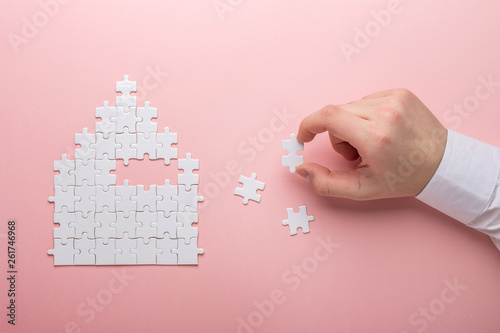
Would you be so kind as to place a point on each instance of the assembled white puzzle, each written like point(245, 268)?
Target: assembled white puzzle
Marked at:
point(104, 223)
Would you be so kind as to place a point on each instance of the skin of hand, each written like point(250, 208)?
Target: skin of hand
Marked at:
point(394, 137)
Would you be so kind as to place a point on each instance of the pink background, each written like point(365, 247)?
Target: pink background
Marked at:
point(226, 75)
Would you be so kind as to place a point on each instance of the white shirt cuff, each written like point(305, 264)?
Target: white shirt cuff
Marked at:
point(465, 180)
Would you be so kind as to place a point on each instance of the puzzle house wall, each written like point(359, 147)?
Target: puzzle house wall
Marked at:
point(102, 223)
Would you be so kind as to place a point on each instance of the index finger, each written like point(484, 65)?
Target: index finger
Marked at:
point(340, 123)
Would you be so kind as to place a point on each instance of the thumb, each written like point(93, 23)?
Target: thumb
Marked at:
point(343, 184)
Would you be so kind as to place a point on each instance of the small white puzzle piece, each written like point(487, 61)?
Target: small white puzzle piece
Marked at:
point(63, 199)
point(125, 203)
point(126, 141)
point(188, 178)
point(146, 125)
point(166, 225)
point(65, 231)
point(84, 172)
point(166, 257)
point(186, 231)
point(125, 245)
point(64, 254)
point(187, 198)
point(86, 151)
point(105, 252)
point(85, 204)
point(187, 254)
point(105, 198)
point(84, 245)
point(146, 200)
point(106, 126)
point(106, 221)
point(105, 147)
point(298, 220)
point(126, 224)
point(164, 148)
point(249, 189)
point(64, 178)
point(146, 145)
point(103, 176)
point(126, 119)
point(126, 87)
point(146, 251)
point(166, 204)
point(84, 225)
point(146, 228)
point(292, 146)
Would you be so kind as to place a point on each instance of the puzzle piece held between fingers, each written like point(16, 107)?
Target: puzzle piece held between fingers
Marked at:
point(292, 146)
point(249, 189)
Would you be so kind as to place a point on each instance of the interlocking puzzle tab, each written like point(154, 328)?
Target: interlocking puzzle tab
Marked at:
point(298, 220)
point(104, 223)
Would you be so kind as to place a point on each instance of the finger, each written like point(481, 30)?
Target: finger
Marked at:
point(346, 150)
point(343, 184)
point(342, 124)
point(378, 94)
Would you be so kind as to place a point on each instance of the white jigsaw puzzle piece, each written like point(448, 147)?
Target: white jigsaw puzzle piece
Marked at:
point(146, 125)
point(146, 220)
point(166, 257)
point(126, 141)
point(249, 189)
point(103, 176)
point(125, 256)
point(186, 231)
point(64, 199)
point(292, 146)
point(84, 225)
point(65, 231)
point(146, 145)
point(85, 205)
point(166, 204)
point(164, 148)
point(84, 172)
point(106, 221)
point(105, 252)
point(298, 220)
point(188, 198)
point(106, 125)
point(66, 176)
point(64, 254)
point(105, 198)
point(146, 198)
point(84, 245)
point(126, 224)
point(126, 192)
point(166, 226)
point(86, 151)
point(126, 120)
point(146, 251)
point(126, 87)
point(105, 146)
point(187, 254)
point(188, 178)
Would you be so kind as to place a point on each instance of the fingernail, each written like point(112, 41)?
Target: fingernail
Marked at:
point(304, 174)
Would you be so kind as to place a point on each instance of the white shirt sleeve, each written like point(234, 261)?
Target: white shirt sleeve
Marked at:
point(466, 185)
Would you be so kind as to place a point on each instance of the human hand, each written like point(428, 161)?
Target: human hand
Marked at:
point(398, 141)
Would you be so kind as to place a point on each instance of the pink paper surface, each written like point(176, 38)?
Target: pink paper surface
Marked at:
point(233, 66)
